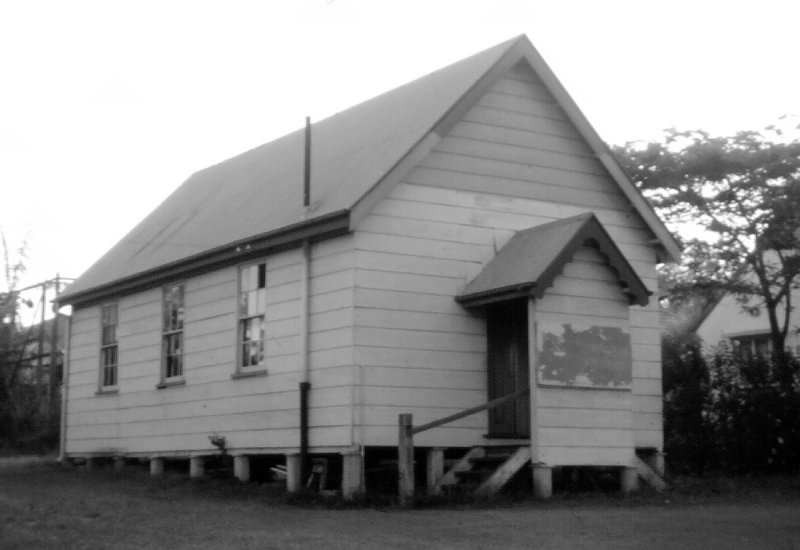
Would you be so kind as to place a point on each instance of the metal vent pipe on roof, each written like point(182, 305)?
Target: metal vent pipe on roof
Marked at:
point(307, 171)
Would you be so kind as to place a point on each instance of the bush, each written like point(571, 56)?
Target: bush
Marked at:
point(686, 403)
point(729, 413)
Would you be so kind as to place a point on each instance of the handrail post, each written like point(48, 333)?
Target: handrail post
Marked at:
point(405, 459)
point(405, 443)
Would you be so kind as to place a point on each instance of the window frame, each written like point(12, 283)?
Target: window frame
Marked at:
point(170, 334)
point(755, 346)
point(106, 349)
point(243, 316)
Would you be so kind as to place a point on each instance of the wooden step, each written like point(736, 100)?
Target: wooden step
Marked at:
point(505, 472)
point(464, 464)
point(484, 469)
point(649, 475)
point(490, 460)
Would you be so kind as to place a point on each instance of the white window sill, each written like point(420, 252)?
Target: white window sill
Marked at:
point(171, 382)
point(249, 374)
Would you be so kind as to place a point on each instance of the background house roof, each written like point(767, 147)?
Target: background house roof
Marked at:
point(258, 193)
point(529, 263)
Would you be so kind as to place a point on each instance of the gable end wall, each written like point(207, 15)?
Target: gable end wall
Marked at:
point(513, 161)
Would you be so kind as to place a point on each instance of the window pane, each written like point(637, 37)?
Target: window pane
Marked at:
point(246, 305)
point(253, 277)
point(173, 366)
point(248, 278)
point(243, 304)
point(109, 355)
point(172, 355)
point(247, 329)
point(173, 308)
point(252, 304)
point(167, 312)
point(255, 303)
point(109, 324)
point(109, 314)
point(252, 341)
point(108, 340)
point(262, 276)
point(252, 296)
point(252, 353)
point(261, 300)
point(110, 376)
point(109, 335)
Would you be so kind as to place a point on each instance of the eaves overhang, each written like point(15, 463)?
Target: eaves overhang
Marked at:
point(314, 230)
point(533, 258)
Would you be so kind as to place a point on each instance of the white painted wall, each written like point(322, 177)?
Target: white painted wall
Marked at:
point(252, 413)
point(513, 162)
point(386, 332)
point(584, 426)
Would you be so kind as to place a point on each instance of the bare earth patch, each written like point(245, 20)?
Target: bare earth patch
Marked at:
point(43, 506)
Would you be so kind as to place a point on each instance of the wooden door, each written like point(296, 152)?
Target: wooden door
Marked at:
point(507, 332)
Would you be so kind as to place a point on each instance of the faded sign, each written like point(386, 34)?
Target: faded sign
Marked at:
point(572, 354)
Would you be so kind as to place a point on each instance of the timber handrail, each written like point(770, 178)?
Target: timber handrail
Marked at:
point(494, 403)
point(405, 445)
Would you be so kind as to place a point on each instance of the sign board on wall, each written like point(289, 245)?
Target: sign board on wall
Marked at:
point(582, 355)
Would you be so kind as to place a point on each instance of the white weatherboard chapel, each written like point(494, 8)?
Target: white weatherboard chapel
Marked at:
point(468, 235)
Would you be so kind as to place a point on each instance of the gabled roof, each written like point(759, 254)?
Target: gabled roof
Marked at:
point(529, 263)
point(252, 203)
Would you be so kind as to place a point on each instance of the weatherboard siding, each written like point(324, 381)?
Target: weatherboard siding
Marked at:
point(586, 425)
point(252, 413)
point(512, 162)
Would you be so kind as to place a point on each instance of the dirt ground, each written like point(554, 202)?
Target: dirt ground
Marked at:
point(43, 506)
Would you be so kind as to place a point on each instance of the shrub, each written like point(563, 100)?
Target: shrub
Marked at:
point(729, 412)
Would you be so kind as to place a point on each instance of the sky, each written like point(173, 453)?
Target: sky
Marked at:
point(106, 107)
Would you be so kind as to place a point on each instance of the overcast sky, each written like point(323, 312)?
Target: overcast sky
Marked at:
point(106, 107)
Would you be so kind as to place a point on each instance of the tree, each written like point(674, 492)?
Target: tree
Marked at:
point(20, 403)
point(743, 191)
point(9, 350)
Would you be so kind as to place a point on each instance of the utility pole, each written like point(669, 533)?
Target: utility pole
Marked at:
point(54, 353)
point(40, 347)
point(46, 394)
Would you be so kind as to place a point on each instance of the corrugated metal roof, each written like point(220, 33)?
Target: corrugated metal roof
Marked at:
point(531, 260)
point(258, 194)
point(260, 191)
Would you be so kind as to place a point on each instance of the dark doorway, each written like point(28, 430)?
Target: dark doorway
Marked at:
point(507, 332)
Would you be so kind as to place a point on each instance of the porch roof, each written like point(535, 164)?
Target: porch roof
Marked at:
point(529, 263)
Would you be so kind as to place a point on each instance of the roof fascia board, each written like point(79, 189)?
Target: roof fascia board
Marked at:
point(590, 230)
point(367, 202)
point(707, 310)
point(549, 275)
point(599, 147)
point(439, 130)
point(745, 333)
point(481, 86)
point(665, 238)
point(637, 291)
point(497, 295)
point(324, 227)
point(593, 230)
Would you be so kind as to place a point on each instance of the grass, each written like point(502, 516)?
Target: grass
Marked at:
point(683, 490)
point(47, 507)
